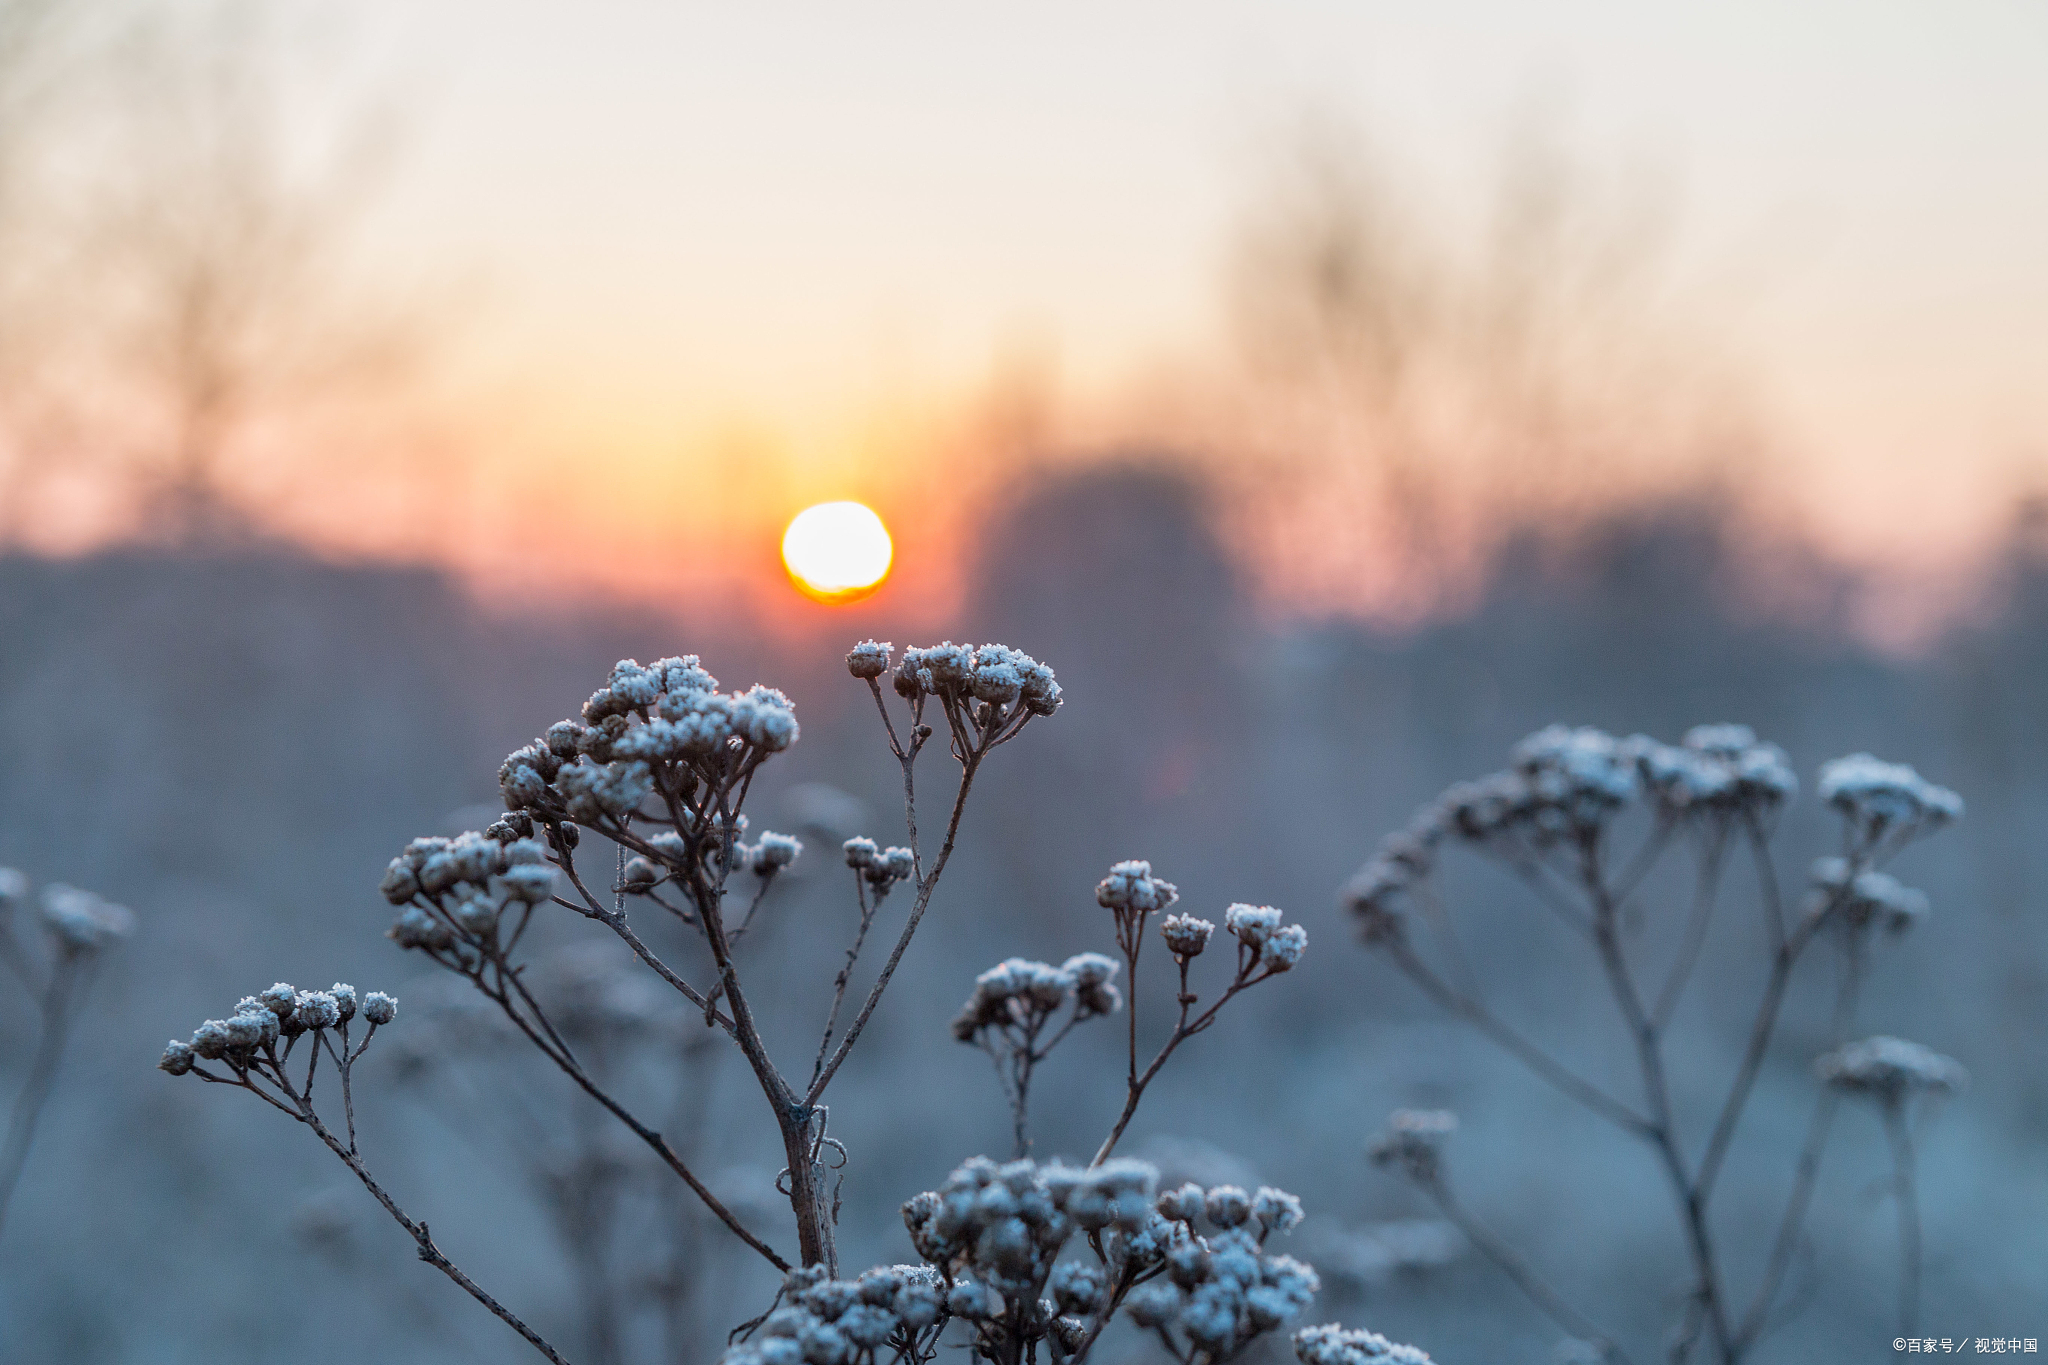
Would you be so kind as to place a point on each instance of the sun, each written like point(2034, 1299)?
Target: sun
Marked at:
point(837, 551)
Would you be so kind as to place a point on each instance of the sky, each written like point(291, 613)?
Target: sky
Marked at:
point(685, 227)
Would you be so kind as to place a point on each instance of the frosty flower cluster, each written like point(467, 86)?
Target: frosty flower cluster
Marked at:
point(1186, 936)
point(661, 726)
point(1717, 767)
point(1221, 1291)
point(1414, 1143)
point(1002, 1227)
point(880, 868)
point(1565, 784)
point(766, 856)
point(1020, 996)
point(1131, 886)
point(454, 891)
point(995, 1235)
point(79, 921)
point(1262, 937)
point(1868, 898)
point(280, 1012)
point(898, 1308)
point(1880, 798)
point(1008, 681)
point(769, 854)
point(1890, 1070)
point(1334, 1345)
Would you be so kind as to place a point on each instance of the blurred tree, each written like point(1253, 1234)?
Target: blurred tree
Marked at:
point(200, 241)
point(1423, 389)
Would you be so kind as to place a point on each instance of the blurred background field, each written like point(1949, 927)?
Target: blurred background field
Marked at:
point(1331, 395)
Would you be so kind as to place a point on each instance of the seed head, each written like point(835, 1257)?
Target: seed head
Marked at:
point(1186, 936)
point(869, 659)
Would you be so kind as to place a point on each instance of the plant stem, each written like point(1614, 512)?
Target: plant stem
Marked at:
point(1900, 1133)
point(1523, 1274)
point(926, 885)
point(428, 1252)
point(42, 1074)
point(1663, 1127)
point(1807, 1171)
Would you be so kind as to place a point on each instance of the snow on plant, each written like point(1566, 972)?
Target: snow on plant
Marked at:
point(1031, 1262)
point(77, 929)
point(1551, 819)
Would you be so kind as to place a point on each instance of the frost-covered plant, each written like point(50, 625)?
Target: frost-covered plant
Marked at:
point(636, 1242)
point(1892, 1073)
point(1553, 820)
point(1034, 1261)
point(77, 928)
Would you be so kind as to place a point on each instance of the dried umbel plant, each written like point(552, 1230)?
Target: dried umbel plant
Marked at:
point(1027, 1262)
point(635, 1242)
point(76, 930)
point(1553, 819)
point(1893, 1074)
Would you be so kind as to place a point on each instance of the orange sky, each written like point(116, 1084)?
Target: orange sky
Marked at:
point(717, 262)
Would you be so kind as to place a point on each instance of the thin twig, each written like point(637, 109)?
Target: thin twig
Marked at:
point(68, 976)
point(1530, 1055)
point(860, 936)
point(1782, 962)
point(1182, 1031)
point(1663, 1127)
point(569, 1066)
point(1907, 1194)
point(1696, 924)
point(1523, 1274)
point(1807, 1170)
point(428, 1251)
point(925, 886)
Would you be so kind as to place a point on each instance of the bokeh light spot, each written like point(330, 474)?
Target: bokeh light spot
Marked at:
point(837, 551)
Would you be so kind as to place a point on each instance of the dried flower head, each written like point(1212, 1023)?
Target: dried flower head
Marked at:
point(82, 922)
point(1131, 886)
point(1331, 1344)
point(1252, 924)
point(1414, 1143)
point(1879, 798)
point(774, 852)
point(1869, 898)
point(1185, 935)
point(869, 659)
point(1890, 1070)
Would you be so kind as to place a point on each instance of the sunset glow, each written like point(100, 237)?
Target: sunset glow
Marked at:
point(837, 551)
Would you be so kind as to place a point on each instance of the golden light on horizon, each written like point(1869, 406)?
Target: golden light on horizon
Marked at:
point(837, 551)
